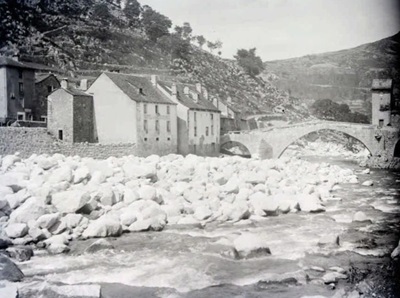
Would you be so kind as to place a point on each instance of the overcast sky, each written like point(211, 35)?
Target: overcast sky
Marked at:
point(282, 29)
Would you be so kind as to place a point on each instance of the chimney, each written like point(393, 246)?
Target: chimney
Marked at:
point(186, 90)
point(64, 83)
point(174, 90)
point(195, 97)
point(83, 85)
point(15, 57)
point(205, 93)
point(154, 80)
point(198, 87)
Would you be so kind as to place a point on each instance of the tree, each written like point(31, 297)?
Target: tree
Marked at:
point(132, 11)
point(155, 24)
point(201, 40)
point(186, 31)
point(212, 46)
point(101, 12)
point(251, 63)
point(329, 110)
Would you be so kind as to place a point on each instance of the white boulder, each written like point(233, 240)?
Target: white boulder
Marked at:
point(70, 201)
point(17, 230)
point(105, 226)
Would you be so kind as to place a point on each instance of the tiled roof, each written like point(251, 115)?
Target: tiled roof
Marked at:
point(382, 84)
point(39, 77)
point(6, 61)
point(131, 85)
point(187, 100)
point(76, 92)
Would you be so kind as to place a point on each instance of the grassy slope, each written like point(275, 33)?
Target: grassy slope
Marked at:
point(342, 76)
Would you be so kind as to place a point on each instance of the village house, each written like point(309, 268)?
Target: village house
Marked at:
point(385, 108)
point(70, 114)
point(198, 118)
point(17, 90)
point(129, 109)
point(45, 84)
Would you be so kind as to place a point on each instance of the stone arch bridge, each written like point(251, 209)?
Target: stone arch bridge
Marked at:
point(272, 142)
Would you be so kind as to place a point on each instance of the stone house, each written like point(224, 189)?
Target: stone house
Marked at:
point(17, 90)
point(129, 109)
point(70, 115)
point(198, 118)
point(45, 84)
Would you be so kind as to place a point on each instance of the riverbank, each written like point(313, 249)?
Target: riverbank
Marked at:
point(282, 228)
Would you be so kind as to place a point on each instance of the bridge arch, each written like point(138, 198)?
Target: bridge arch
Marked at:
point(396, 151)
point(289, 142)
point(240, 148)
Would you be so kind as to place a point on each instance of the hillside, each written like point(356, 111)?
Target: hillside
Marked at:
point(89, 36)
point(344, 76)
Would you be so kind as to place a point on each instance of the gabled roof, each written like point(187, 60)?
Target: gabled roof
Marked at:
point(131, 86)
point(201, 104)
point(39, 77)
point(72, 91)
point(382, 84)
point(6, 61)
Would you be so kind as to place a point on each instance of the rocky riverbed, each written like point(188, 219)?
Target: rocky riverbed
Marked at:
point(195, 227)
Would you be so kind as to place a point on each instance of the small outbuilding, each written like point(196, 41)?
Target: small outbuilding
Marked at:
point(70, 115)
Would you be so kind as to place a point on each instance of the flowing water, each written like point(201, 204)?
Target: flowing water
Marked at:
point(197, 261)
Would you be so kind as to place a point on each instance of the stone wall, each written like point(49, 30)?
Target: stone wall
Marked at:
point(28, 141)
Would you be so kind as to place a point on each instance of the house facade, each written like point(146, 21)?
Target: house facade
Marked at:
point(198, 118)
point(45, 84)
point(381, 102)
point(17, 90)
point(70, 115)
point(128, 109)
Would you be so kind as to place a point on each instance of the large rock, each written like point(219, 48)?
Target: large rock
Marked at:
point(98, 245)
point(70, 201)
point(135, 170)
point(105, 226)
point(20, 253)
point(47, 221)
point(81, 174)
point(130, 195)
point(361, 217)
point(396, 252)
point(260, 201)
point(333, 277)
point(8, 290)
point(57, 244)
point(147, 192)
point(250, 246)
point(17, 230)
point(8, 161)
point(310, 203)
point(4, 242)
point(9, 271)
point(62, 174)
point(32, 209)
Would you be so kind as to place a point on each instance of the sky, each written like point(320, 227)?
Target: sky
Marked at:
point(281, 29)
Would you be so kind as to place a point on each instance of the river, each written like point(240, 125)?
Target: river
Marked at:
point(195, 261)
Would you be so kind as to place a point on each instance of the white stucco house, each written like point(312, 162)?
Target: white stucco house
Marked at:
point(129, 109)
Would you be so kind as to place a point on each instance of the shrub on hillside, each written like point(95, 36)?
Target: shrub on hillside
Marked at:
point(251, 63)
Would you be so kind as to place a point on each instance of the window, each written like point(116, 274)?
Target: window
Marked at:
point(207, 131)
point(212, 117)
point(145, 139)
point(168, 126)
point(194, 148)
point(195, 118)
point(20, 116)
point(214, 148)
point(195, 131)
point(21, 88)
point(145, 127)
point(157, 139)
point(20, 74)
point(168, 110)
point(157, 126)
point(157, 109)
point(49, 89)
point(60, 134)
point(380, 122)
point(212, 129)
point(145, 108)
point(43, 118)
